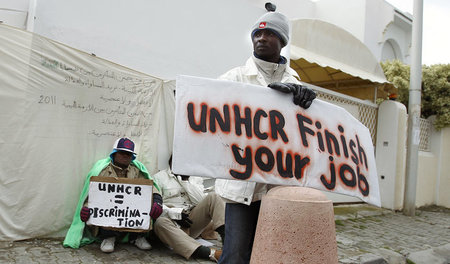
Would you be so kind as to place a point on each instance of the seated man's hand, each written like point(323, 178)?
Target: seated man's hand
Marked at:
point(84, 214)
point(303, 96)
point(184, 178)
point(157, 209)
point(185, 221)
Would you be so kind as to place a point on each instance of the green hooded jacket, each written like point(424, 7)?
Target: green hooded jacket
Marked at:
point(74, 237)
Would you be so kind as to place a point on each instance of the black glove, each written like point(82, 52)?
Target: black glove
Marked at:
point(185, 221)
point(303, 96)
point(184, 177)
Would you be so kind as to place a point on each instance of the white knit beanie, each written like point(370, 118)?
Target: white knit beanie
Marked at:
point(276, 22)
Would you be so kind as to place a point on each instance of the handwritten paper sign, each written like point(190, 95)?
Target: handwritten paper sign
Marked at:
point(240, 131)
point(120, 203)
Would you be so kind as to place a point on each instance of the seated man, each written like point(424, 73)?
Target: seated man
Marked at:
point(121, 163)
point(187, 212)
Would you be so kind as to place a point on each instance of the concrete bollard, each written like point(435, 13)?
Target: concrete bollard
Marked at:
point(295, 225)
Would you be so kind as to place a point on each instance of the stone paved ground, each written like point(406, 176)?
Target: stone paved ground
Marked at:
point(52, 251)
point(364, 235)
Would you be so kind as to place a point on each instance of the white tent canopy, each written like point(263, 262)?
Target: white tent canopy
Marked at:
point(328, 56)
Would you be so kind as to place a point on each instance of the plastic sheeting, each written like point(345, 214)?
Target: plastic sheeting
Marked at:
point(61, 110)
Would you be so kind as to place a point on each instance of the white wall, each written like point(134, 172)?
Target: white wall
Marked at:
point(434, 167)
point(378, 16)
point(443, 180)
point(96, 26)
point(14, 12)
point(372, 21)
point(391, 50)
point(433, 176)
point(294, 9)
point(426, 179)
point(162, 38)
point(349, 15)
point(433, 173)
point(394, 32)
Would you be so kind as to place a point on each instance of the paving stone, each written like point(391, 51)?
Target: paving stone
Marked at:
point(427, 256)
point(372, 259)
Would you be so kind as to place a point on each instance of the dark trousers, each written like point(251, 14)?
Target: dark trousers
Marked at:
point(240, 227)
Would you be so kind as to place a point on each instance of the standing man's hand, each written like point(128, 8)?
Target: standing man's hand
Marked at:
point(157, 208)
point(303, 96)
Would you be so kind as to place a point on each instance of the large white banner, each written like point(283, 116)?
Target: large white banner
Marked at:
point(61, 110)
point(246, 132)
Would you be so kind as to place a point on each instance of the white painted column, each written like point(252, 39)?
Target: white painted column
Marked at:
point(390, 153)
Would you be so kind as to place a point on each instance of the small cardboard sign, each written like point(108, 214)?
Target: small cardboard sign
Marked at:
point(120, 203)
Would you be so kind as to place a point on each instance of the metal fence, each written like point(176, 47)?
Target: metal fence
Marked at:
point(367, 112)
point(425, 134)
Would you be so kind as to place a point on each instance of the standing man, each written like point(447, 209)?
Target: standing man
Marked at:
point(121, 163)
point(267, 68)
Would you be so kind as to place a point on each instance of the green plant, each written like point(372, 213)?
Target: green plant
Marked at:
point(435, 96)
point(338, 222)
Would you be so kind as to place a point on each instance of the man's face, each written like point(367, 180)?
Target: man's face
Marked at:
point(123, 158)
point(267, 45)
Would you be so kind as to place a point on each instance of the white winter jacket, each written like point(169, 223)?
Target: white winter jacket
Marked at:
point(179, 195)
point(258, 72)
